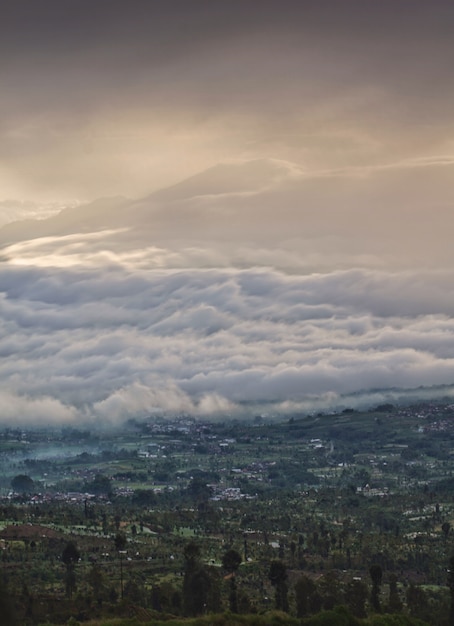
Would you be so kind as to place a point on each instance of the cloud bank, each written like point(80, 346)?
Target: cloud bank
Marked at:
point(107, 343)
point(242, 289)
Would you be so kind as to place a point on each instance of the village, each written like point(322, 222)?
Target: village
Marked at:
point(328, 496)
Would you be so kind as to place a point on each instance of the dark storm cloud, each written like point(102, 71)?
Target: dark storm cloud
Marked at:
point(73, 56)
point(99, 92)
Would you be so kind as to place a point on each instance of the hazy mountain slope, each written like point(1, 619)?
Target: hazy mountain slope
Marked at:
point(97, 215)
point(272, 203)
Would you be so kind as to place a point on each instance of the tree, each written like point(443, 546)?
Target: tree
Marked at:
point(395, 603)
point(330, 589)
point(191, 563)
point(231, 561)
point(450, 583)
point(22, 484)
point(100, 485)
point(200, 584)
point(356, 594)
point(144, 497)
point(416, 600)
point(198, 490)
point(120, 545)
point(191, 554)
point(278, 577)
point(96, 581)
point(134, 591)
point(70, 556)
point(120, 541)
point(376, 575)
point(7, 614)
point(304, 590)
point(204, 589)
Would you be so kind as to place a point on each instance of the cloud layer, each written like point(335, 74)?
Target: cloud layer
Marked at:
point(113, 342)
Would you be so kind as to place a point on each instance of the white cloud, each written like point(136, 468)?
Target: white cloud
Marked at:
point(25, 410)
point(108, 343)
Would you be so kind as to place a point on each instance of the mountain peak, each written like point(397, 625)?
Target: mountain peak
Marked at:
point(230, 177)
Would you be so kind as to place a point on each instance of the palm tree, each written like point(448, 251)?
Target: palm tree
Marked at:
point(278, 578)
point(120, 545)
point(70, 556)
point(231, 561)
point(376, 575)
point(450, 581)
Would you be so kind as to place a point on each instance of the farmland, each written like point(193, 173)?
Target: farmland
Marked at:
point(350, 509)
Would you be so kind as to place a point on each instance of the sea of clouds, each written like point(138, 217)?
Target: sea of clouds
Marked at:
point(246, 289)
point(90, 335)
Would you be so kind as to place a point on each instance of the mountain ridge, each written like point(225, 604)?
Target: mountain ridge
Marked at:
point(118, 211)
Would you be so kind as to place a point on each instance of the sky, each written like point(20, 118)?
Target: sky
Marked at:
point(277, 214)
point(103, 99)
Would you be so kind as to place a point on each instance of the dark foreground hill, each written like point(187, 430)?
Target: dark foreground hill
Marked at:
point(337, 617)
